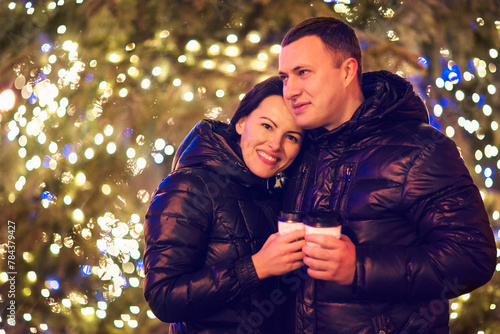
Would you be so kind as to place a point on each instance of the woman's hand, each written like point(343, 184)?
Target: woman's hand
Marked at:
point(280, 254)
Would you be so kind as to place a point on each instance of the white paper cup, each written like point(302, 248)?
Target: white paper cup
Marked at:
point(287, 227)
point(323, 222)
point(289, 221)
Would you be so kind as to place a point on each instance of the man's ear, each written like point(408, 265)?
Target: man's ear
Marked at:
point(240, 125)
point(350, 70)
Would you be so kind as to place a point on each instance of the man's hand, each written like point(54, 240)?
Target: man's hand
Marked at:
point(334, 261)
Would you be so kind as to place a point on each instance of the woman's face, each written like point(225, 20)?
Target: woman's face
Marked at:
point(270, 139)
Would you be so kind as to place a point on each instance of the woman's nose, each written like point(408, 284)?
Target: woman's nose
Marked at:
point(274, 143)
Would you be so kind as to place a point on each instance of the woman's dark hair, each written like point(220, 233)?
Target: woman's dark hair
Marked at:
point(266, 88)
point(336, 35)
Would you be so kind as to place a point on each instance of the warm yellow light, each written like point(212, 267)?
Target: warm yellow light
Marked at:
point(31, 276)
point(254, 37)
point(106, 189)
point(67, 200)
point(7, 100)
point(89, 153)
point(130, 152)
point(208, 64)
point(214, 50)
point(123, 92)
point(193, 46)
point(114, 58)
point(145, 84)
point(232, 51)
point(54, 249)
point(61, 29)
point(78, 215)
point(141, 163)
point(80, 178)
point(98, 139)
point(160, 144)
point(232, 38)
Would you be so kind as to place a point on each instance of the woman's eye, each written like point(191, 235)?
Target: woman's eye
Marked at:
point(294, 139)
point(267, 126)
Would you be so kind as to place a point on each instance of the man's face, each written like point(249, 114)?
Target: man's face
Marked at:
point(314, 88)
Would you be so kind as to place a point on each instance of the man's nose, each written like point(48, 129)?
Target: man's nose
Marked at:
point(291, 88)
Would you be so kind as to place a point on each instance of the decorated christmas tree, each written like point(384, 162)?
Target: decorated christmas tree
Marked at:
point(97, 95)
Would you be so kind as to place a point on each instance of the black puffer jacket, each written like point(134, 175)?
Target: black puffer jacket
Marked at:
point(205, 221)
point(410, 206)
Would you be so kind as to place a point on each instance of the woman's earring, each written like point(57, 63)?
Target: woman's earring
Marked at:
point(280, 180)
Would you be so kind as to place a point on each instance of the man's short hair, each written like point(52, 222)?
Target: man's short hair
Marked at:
point(336, 35)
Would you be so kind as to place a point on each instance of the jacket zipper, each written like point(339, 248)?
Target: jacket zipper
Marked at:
point(347, 179)
point(300, 193)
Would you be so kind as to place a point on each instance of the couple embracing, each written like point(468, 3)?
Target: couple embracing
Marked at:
point(415, 230)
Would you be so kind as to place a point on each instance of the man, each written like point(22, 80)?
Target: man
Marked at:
point(415, 231)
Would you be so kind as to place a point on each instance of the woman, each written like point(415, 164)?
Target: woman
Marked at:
point(208, 265)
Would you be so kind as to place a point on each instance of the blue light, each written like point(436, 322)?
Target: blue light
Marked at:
point(28, 5)
point(470, 66)
point(128, 132)
point(46, 47)
point(86, 270)
point(32, 99)
point(140, 266)
point(423, 62)
point(445, 103)
point(39, 78)
point(89, 78)
point(481, 101)
point(67, 150)
point(53, 284)
point(99, 295)
point(46, 161)
point(488, 172)
point(47, 195)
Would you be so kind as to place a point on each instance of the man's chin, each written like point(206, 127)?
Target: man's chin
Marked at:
point(306, 126)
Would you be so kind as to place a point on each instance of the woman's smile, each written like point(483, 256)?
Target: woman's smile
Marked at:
point(267, 158)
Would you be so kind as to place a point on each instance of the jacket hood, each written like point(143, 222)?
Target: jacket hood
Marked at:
point(388, 97)
point(212, 144)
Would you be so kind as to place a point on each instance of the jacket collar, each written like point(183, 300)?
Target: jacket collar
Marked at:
point(388, 97)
